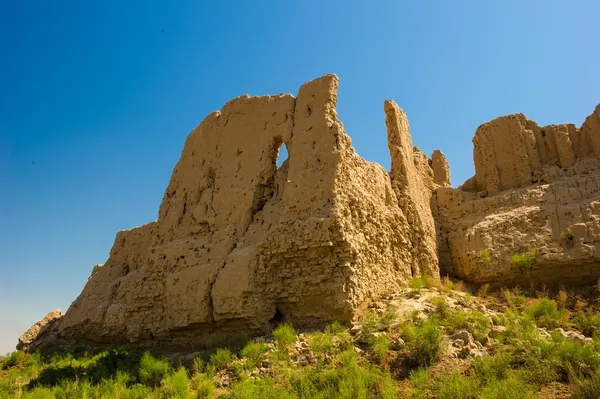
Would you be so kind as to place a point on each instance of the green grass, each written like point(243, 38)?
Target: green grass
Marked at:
point(588, 323)
point(524, 261)
point(520, 361)
point(567, 236)
point(486, 257)
point(153, 370)
point(254, 352)
point(424, 281)
point(546, 314)
point(427, 345)
point(285, 335)
point(221, 358)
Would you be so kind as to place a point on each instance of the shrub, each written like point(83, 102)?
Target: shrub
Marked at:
point(562, 299)
point(335, 328)
point(510, 388)
point(447, 285)
point(346, 380)
point(254, 353)
point(370, 323)
point(456, 386)
point(177, 384)
point(389, 318)
point(545, 313)
point(587, 388)
point(284, 335)
point(588, 323)
point(491, 368)
point(427, 345)
point(380, 345)
point(583, 360)
point(483, 290)
point(152, 370)
point(567, 236)
point(407, 331)
point(320, 342)
point(221, 358)
point(203, 385)
point(263, 388)
point(524, 261)
point(12, 360)
point(424, 281)
point(486, 257)
point(475, 322)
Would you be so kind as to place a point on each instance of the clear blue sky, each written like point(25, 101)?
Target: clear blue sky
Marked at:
point(97, 98)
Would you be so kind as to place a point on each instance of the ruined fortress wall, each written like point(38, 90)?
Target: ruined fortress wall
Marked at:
point(535, 191)
point(240, 243)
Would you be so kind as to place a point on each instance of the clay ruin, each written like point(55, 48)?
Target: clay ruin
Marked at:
point(241, 244)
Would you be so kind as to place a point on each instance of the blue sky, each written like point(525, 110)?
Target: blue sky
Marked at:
point(97, 99)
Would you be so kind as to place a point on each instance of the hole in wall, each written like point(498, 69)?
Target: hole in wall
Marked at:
point(277, 318)
point(282, 155)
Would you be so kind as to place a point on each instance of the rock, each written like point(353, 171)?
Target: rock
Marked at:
point(462, 335)
point(397, 344)
point(45, 327)
point(497, 331)
point(574, 336)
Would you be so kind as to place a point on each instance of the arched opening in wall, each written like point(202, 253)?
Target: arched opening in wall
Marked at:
point(277, 319)
point(282, 155)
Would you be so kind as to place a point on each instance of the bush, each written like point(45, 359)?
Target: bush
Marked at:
point(388, 319)
point(511, 388)
point(177, 384)
point(12, 360)
point(284, 335)
point(335, 328)
point(221, 358)
point(153, 370)
point(254, 352)
point(524, 261)
point(587, 388)
point(370, 323)
point(456, 386)
point(203, 385)
point(546, 314)
point(427, 345)
point(486, 257)
point(424, 281)
point(583, 360)
point(477, 323)
point(380, 345)
point(491, 368)
point(588, 323)
point(320, 342)
point(567, 236)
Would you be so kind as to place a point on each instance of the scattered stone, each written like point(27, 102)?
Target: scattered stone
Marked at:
point(574, 336)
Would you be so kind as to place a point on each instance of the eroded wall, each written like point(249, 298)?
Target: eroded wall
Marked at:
point(241, 244)
point(535, 193)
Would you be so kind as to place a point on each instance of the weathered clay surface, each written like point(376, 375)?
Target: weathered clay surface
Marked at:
point(42, 328)
point(241, 244)
point(532, 187)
